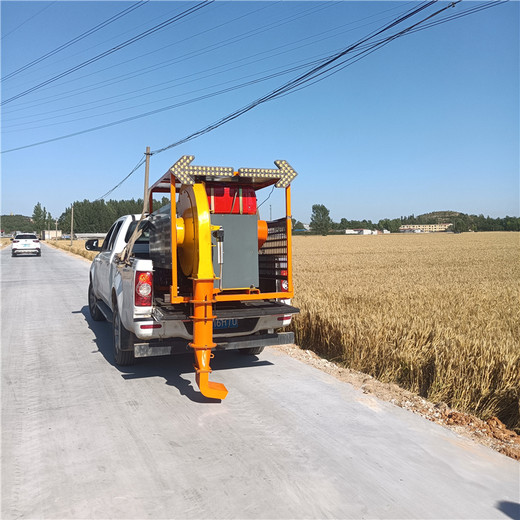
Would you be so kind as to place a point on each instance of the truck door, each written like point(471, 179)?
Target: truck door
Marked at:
point(102, 278)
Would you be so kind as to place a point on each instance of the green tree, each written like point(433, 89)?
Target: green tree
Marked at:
point(13, 223)
point(460, 225)
point(38, 217)
point(343, 224)
point(320, 219)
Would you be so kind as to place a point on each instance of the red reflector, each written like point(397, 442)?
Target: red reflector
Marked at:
point(283, 272)
point(35, 240)
point(282, 318)
point(152, 326)
point(15, 241)
point(231, 199)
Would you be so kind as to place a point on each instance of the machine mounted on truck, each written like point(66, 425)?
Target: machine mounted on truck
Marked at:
point(201, 273)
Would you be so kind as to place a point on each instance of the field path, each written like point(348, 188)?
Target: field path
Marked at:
point(82, 438)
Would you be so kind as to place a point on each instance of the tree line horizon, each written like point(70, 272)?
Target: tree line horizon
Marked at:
point(98, 216)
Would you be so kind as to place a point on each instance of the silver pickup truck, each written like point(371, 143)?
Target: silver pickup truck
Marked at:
point(131, 295)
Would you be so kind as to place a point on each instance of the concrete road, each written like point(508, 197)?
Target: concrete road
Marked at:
point(82, 438)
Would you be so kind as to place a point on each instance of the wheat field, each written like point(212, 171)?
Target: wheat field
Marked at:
point(438, 314)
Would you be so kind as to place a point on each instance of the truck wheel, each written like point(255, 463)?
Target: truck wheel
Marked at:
point(122, 339)
point(95, 313)
point(253, 351)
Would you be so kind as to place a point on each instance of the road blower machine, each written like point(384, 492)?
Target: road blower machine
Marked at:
point(217, 256)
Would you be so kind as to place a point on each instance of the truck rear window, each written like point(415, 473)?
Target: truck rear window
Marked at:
point(145, 235)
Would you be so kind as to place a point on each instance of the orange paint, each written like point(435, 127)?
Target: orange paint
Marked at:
point(203, 338)
point(262, 233)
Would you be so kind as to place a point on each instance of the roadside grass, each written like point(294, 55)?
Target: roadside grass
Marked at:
point(77, 247)
point(4, 242)
point(438, 314)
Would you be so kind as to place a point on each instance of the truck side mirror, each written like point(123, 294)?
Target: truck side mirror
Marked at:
point(92, 245)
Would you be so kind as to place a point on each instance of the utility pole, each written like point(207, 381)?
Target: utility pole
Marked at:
point(125, 254)
point(71, 225)
point(146, 206)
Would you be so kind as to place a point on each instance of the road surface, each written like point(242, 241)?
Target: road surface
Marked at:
point(82, 438)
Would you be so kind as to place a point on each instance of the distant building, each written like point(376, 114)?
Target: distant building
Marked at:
point(424, 228)
point(50, 234)
point(360, 232)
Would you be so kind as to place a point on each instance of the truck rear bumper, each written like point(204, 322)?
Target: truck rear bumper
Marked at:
point(178, 346)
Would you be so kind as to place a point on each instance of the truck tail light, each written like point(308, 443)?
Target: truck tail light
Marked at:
point(15, 241)
point(35, 240)
point(284, 285)
point(143, 288)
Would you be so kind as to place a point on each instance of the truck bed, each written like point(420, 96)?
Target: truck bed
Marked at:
point(223, 310)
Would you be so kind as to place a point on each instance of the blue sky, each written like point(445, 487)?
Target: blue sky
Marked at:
point(428, 122)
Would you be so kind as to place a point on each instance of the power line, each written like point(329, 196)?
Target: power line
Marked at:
point(146, 70)
point(270, 75)
point(100, 43)
point(137, 166)
point(297, 81)
point(76, 39)
point(196, 76)
point(297, 84)
point(27, 20)
point(146, 114)
point(136, 57)
point(122, 45)
point(313, 76)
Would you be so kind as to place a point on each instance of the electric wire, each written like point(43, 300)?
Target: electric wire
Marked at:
point(284, 89)
point(295, 82)
point(140, 116)
point(174, 61)
point(122, 45)
point(116, 37)
point(76, 39)
point(27, 20)
point(99, 44)
point(268, 197)
point(276, 93)
point(269, 53)
point(137, 166)
point(245, 109)
point(270, 75)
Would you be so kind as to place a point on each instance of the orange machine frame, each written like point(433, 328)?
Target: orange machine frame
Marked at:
point(170, 183)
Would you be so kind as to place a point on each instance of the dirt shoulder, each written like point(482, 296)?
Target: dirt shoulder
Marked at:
point(491, 433)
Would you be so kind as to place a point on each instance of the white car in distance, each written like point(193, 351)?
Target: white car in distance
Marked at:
point(25, 243)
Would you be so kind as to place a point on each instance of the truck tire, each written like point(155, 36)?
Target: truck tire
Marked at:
point(253, 351)
point(123, 339)
point(95, 313)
